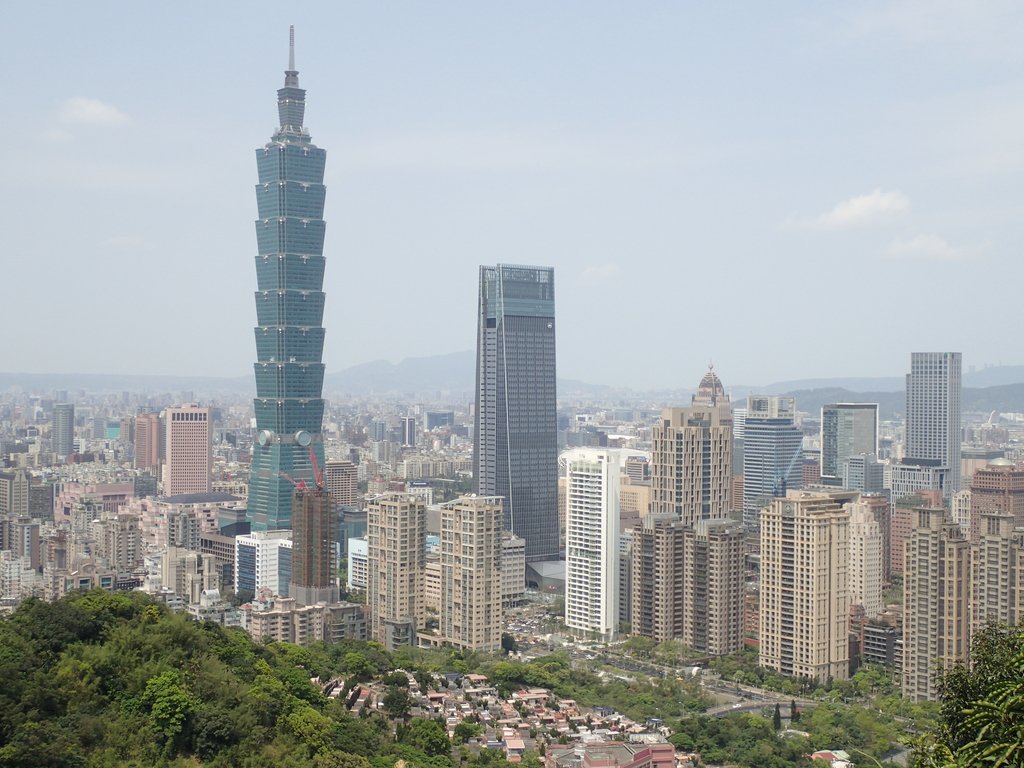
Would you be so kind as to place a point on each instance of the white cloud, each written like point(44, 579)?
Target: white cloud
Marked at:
point(601, 271)
point(82, 111)
point(925, 248)
point(988, 28)
point(864, 209)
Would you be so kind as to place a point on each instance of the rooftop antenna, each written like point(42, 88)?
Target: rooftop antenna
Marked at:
point(291, 48)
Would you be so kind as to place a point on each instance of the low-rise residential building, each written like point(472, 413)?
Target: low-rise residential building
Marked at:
point(612, 754)
point(281, 620)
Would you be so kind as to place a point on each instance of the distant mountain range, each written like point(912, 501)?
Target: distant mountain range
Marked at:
point(46, 383)
point(1006, 398)
point(453, 372)
point(994, 388)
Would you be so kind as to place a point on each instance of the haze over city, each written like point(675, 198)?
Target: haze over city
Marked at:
point(818, 189)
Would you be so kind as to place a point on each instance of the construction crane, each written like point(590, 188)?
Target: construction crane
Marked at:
point(300, 485)
point(318, 476)
point(779, 486)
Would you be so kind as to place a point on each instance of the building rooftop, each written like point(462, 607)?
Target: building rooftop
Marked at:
point(218, 497)
point(1001, 462)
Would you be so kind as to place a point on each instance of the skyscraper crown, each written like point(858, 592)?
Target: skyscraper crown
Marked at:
point(291, 100)
point(710, 389)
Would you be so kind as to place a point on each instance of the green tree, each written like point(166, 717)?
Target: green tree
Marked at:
point(428, 736)
point(424, 679)
point(997, 720)
point(962, 688)
point(41, 745)
point(465, 731)
point(312, 728)
point(399, 679)
point(52, 627)
point(488, 758)
point(169, 706)
point(337, 759)
point(356, 665)
point(777, 718)
point(397, 702)
point(356, 735)
point(639, 646)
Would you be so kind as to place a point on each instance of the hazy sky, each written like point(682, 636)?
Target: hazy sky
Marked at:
point(790, 189)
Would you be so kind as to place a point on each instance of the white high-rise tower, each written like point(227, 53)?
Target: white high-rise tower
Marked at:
point(932, 456)
point(592, 539)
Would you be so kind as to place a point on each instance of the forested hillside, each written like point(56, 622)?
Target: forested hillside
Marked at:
point(101, 679)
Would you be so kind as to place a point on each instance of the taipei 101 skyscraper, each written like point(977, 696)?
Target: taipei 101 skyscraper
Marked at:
point(289, 311)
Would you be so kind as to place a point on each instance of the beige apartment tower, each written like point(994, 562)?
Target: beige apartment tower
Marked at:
point(936, 601)
point(187, 460)
point(687, 576)
point(656, 607)
point(713, 587)
point(997, 489)
point(634, 499)
point(396, 532)
point(805, 597)
point(341, 479)
point(471, 578)
point(513, 570)
point(998, 572)
point(691, 457)
point(147, 441)
point(865, 569)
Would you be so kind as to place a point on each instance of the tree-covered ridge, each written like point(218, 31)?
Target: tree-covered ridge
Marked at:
point(110, 679)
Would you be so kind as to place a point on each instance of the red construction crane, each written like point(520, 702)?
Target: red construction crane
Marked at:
point(300, 485)
point(318, 475)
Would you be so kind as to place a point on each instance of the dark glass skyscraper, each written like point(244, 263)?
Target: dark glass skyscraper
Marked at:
point(289, 310)
point(771, 454)
point(516, 451)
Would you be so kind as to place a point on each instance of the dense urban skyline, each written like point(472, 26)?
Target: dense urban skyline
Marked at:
point(829, 560)
point(633, 151)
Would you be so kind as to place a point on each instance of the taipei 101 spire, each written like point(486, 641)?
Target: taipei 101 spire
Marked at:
point(289, 368)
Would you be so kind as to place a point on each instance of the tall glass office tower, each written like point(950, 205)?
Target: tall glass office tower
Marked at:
point(847, 430)
point(516, 450)
point(933, 414)
point(289, 310)
point(771, 454)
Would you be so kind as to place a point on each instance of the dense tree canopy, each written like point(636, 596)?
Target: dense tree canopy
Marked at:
point(104, 679)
